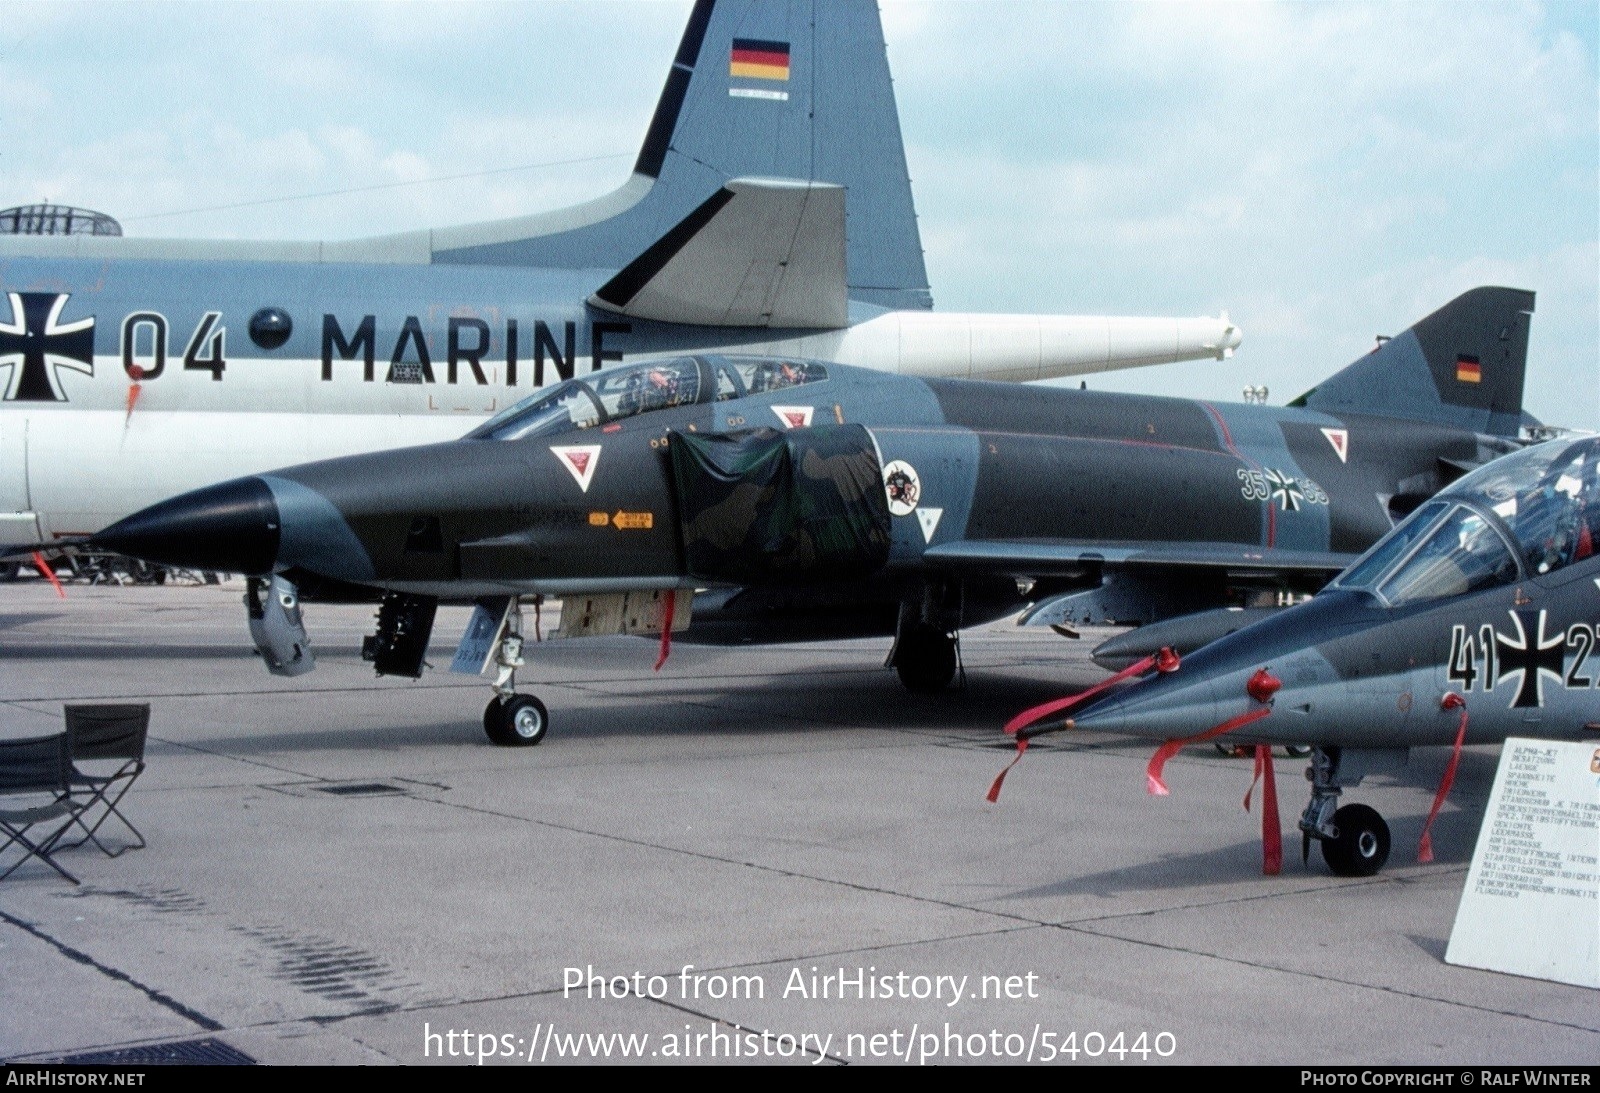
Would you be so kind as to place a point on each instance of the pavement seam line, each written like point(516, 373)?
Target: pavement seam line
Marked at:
point(81, 957)
point(703, 856)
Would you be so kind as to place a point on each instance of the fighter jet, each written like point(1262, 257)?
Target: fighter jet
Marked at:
point(769, 211)
point(1471, 621)
point(776, 498)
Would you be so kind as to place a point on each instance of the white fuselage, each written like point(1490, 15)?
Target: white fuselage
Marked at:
point(175, 394)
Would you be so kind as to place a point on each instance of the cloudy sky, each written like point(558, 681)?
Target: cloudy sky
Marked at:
point(1325, 172)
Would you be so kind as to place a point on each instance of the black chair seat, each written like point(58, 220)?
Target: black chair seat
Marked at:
point(38, 815)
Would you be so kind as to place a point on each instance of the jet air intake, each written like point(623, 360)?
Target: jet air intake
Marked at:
point(760, 506)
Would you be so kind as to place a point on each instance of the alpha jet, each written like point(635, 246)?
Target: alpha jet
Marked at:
point(1473, 620)
point(766, 499)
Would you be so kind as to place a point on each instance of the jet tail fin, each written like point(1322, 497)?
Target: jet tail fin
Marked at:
point(758, 252)
point(797, 91)
point(1464, 365)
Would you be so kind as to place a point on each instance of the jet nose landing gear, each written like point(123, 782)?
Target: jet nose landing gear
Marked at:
point(513, 720)
point(1354, 838)
point(516, 721)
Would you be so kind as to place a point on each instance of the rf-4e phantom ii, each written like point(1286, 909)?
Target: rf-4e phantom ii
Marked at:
point(765, 499)
point(1474, 620)
point(769, 211)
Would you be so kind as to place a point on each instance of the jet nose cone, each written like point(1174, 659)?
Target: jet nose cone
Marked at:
point(231, 527)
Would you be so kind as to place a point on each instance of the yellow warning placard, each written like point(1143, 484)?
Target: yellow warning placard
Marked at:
point(634, 521)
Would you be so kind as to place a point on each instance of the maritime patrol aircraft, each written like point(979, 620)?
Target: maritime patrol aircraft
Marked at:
point(1473, 620)
point(776, 498)
point(769, 211)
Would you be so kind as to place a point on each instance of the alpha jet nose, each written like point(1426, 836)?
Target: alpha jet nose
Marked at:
point(233, 527)
point(1158, 708)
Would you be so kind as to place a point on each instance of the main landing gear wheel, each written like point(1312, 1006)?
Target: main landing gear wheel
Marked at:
point(925, 659)
point(1362, 844)
point(516, 721)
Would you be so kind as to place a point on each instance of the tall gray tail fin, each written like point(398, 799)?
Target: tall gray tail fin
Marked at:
point(1463, 365)
point(798, 91)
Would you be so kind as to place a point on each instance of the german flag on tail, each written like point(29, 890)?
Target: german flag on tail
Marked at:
point(1468, 370)
point(756, 59)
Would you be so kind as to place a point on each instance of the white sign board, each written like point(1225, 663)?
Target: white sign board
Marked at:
point(1532, 901)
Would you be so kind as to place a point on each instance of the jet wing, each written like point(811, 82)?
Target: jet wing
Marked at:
point(758, 252)
point(1066, 557)
point(1087, 582)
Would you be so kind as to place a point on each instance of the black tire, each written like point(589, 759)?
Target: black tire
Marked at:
point(1362, 844)
point(9, 571)
point(925, 660)
point(520, 721)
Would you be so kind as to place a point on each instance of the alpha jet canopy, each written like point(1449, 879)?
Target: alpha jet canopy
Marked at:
point(1524, 516)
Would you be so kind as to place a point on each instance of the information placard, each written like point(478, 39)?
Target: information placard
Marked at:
point(1532, 901)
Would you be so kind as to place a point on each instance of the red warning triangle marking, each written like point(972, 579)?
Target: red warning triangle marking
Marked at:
point(1340, 439)
point(580, 460)
point(794, 417)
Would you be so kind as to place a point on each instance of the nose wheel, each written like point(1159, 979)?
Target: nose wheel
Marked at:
point(1360, 844)
point(512, 720)
point(1354, 838)
point(516, 721)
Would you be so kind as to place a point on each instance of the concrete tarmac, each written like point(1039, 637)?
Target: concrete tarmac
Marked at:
point(770, 854)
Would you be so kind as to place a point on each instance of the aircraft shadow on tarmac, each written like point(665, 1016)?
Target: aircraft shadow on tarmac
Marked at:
point(1453, 838)
point(687, 700)
point(11, 619)
point(111, 651)
point(1455, 834)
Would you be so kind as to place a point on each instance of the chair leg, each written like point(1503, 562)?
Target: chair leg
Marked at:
point(111, 809)
point(91, 836)
point(42, 850)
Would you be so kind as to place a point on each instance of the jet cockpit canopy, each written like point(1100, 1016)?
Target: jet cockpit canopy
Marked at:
point(624, 391)
point(1522, 516)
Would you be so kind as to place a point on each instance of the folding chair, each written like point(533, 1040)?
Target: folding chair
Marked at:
point(37, 767)
point(105, 734)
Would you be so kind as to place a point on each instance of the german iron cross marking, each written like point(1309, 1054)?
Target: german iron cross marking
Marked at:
point(35, 345)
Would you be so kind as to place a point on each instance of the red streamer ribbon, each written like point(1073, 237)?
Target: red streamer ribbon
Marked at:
point(1451, 701)
point(1000, 779)
point(667, 609)
point(1029, 716)
point(1152, 773)
point(1164, 661)
point(135, 374)
point(1271, 827)
point(50, 575)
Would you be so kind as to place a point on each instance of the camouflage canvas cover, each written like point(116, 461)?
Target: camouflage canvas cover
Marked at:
point(765, 506)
